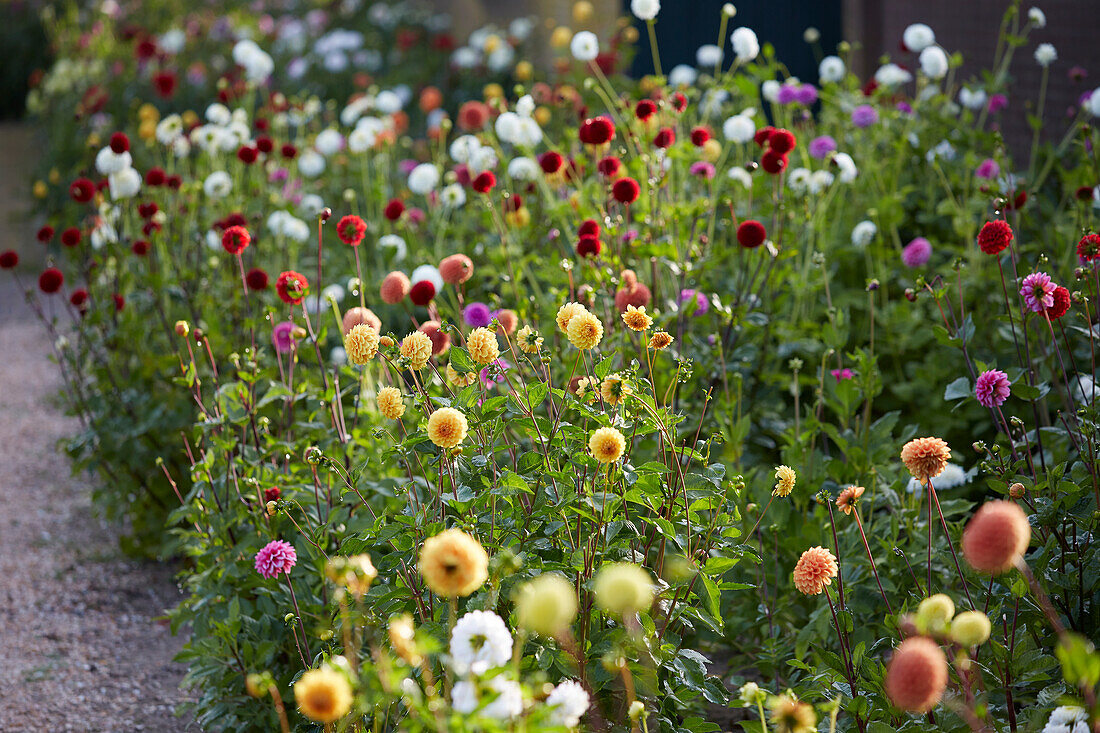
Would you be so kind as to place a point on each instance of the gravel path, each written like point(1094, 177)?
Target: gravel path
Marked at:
point(82, 644)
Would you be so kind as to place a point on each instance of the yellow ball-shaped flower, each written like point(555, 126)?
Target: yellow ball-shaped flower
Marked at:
point(560, 37)
point(970, 629)
point(934, 612)
point(417, 348)
point(323, 695)
point(623, 588)
point(585, 331)
point(606, 445)
point(460, 380)
point(566, 313)
point(361, 344)
point(482, 345)
point(546, 605)
point(453, 564)
point(447, 427)
point(784, 481)
point(390, 403)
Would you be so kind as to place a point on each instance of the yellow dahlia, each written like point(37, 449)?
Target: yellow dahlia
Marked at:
point(529, 340)
point(613, 389)
point(453, 563)
point(361, 344)
point(566, 313)
point(482, 345)
point(784, 481)
point(636, 319)
point(585, 330)
point(606, 445)
point(660, 341)
point(447, 427)
point(323, 695)
point(390, 403)
point(417, 348)
point(460, 380)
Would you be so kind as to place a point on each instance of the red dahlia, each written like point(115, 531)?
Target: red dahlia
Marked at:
point(394, 209)
point(164, 82)
point(289, 151)
point(119, 143)
point(665, 138)
point(247, 154)
point(1061, 303)
point(782, 141)
point(422, 293)
point(256, 279)
point(763, 135)
point(351, 230)
point(82, 190)
point(484, 182)
point(235, 239)
point(45, 234)
point(70, 237)
point(589, 246)
point(550, 162)
point(291, 287)
point(78, 298)
point(645, 109)
point(699, 136)
point(1088, 249)
point(995, 236)
point(773, 162)
point(140, 247)
point(609, 166)
point(8, 259)
point(597, 131)
point(589, 228)
point(155, 177)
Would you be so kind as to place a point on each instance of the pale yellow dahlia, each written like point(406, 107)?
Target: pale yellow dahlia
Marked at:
point(361, 344)
point(417, 348)
point(447, 427)
point(784, 481)
point(390, 403)
point(606, 445)
point(566, 313)
point(585, 331)
point(323, 695)
point(460, 380)
point(529, 340)
point(660, 341)
point(613, 389)
point(482, 345)
point(636, 319)
point(453, 563)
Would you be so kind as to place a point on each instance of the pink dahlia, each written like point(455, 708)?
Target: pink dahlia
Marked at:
point(992, 388)
point(276, 557)
point(1038, 292)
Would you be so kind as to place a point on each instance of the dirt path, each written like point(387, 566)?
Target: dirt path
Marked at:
point(80, 639)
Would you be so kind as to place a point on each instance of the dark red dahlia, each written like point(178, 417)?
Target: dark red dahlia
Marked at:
point(751, 234)
point(247, 154)
point(763, 135)
point(272, 494)
point(155, 177)
point(148, 209)
point(597, 131)
point(265, 144)
point(9, 258)
point(699, 136)
point(82, 190)
point(70, 237)
point(589, 228)
point(782, 141)
point(351, 230)
point(609, 166)
point(1083, 193)
point(665, 138)
point(679, 102)
point(119, 143)
point(422, 293)
point(1088, 249)
point(1061, 303)
point(291, 287)
point(256, 279)
point(79, 298)
point(645, 109)
point(174, 182)
point(289, 151)
point(550, 162)
point(773, 162)
point(51, 280)
point(45, 234)
point(164, 82)
point(120, 302)
point(626, 190)
point(394, 209)
point(140, 247)
point(589, 246)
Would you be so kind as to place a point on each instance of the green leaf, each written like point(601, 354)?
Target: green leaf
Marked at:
point(957, 390)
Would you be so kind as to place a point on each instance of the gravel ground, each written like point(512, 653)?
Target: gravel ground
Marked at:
point(83, 644)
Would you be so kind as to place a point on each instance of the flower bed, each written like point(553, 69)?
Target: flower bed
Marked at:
point(564, 402)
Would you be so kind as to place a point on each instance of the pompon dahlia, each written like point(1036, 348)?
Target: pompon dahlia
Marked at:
point(276, 557)
point(815, 569)
point(453, 563)
point(390, 403)
point(1038, 292)
point(456, 268)
point(636, 319)
point(925, 457)
point(50, 281)
point(996, 537)
point(585, 331)
point(361, 343)
point(992, 388)
point(784, 481)
point(995, 236)
point(354, 316)
point(482, 345)
point(917, 675)
point(660, 340)
point(417, 348)
point(236, 240)
point(566, 313)
point(256, 279)
point(1062, 300)
point(395, 286)
point(447, 427)
point(607, 445)
point(351, 230)
point(751, 234)
point(529, 340)
point(323, 695)
point(291, 287)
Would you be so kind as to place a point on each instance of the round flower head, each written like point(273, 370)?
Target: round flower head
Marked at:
point(275, 558)
point(417, 348)
point(917, 252)
point(354, 316)
point(323, 695)
point(49, 282)
point(361, 344)
point(995, 236)
point(256, 279)
point(351, 230)
point(235, 239)
point(546, 605)
point(1068, 719)
point(925, 457)
point(1088, 249)
point(636, 319)
point(1038, 292)
point(1062, 302)
point(482, 345)
point(864, 115)
point(291, 287)
point(751, 234)
point(453, 563)
point(623, 588)
point(402, 636)
point(934, 613)
point(440, 340)
point(645, 9)
point(395, 286)
point(660, 340)
point(568, 702)
point(815, 569)
point(585, 46)
point(282, 337)
point(613, 389)
point(477, 315)
point(784, 481)
point(606, 445)
point(507, 319)
point(456, 268)
point(916, 675)
point(529, 340)
point(790, 715)
point(992, 388)
point(460, 380)
point(585, 331)
point(447, 427)
point(480, 640)
point(390, 403)
point(566, 313)
point(996, 537)
point(970, 629)
point(846, 502)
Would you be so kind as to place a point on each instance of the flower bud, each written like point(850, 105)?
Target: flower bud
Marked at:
point(182, 329)
point(1016, 491)
point(934, 613)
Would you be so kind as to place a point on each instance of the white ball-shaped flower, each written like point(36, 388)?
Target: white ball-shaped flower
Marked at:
point(1045, 54)
point(972, 98)
point(934, 63)
point(585, 46)
point(463, 147)
point(682, 75)
point(453, 196)
point(431, 274)
point(745, 44)
point(424, 178)
point(738, 174)
point(708, 55)
point(311, 164)
point(831, 69)
point(863, 233)
point(739, 128)
point(918, 37)
point(329, 142)
point(217, 185)
point(847, 166)
point(124, 184)
point(892, 75)
point(645, 9)
point(108, 161)
point(480, 640)
point(769, 90)
point(388, 102)
point(523, 169)
point(1037, 18)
